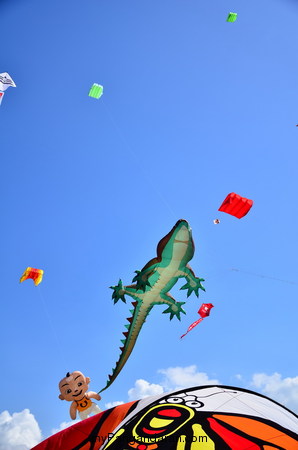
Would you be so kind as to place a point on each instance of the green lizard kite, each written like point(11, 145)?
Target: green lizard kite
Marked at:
point(153, 284)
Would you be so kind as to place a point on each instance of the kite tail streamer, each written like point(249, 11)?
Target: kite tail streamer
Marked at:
point(194, 324)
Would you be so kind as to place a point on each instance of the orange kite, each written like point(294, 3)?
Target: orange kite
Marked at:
point(35, 274)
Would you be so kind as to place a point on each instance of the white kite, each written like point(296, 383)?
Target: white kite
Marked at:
point(5, 82)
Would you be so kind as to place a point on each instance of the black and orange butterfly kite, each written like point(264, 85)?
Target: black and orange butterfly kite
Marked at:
point(199, 418)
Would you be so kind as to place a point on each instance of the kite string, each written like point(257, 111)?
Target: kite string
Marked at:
point(217, 272)
point(250, 406)
point(262, 276)
point(51, 324)
point(237, 397)
point(135, 159)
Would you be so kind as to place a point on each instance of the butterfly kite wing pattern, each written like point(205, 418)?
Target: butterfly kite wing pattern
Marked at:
point(209, 417)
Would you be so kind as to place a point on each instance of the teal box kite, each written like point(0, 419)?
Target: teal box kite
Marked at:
point(232, 17)
point(96, 91)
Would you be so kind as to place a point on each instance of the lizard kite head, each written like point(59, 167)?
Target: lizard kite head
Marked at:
point(178, 243)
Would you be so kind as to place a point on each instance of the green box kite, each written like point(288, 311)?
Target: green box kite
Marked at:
point(96, 91)
point(232, 17)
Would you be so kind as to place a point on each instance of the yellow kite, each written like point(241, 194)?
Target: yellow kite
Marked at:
point(35, 274)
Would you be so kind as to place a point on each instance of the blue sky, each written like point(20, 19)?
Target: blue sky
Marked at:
point(193, 108)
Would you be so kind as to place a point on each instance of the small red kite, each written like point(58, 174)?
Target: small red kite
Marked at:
point(204, 311)
point(35, 274)
point(236, 205)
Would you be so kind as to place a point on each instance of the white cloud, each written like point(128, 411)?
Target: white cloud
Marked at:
point(181, 377)
point(112, 404)
point(18, 431)
point(283, 390)
point(174, 378)
point(64, 425)
point(144, 389)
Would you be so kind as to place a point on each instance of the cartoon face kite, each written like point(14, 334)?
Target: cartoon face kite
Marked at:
point(73, 388)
